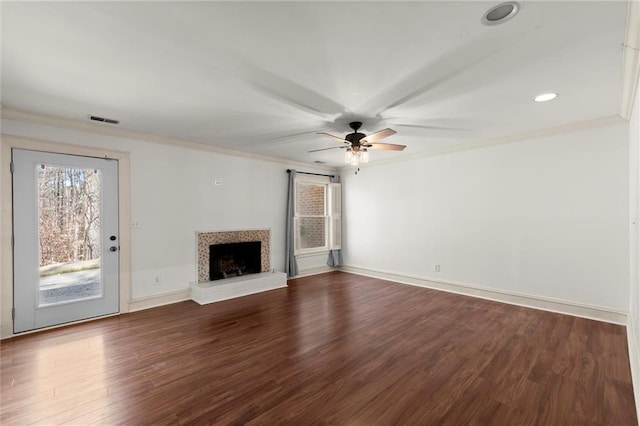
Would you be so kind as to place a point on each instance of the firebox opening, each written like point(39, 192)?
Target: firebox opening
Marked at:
point(234, 259)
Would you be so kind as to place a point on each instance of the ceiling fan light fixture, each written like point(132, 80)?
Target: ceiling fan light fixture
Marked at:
point(501, 13)
point(348, 156)
point(364, 156)
point(545, 97)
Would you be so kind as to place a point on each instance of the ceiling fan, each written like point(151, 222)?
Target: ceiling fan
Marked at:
point(357, 145)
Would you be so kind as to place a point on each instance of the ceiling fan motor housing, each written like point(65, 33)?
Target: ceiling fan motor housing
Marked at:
point(355, 138)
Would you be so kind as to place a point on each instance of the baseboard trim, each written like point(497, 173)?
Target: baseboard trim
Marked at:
point(529, 301)
point(634, 361)
point(314, 271)
point(156, 300)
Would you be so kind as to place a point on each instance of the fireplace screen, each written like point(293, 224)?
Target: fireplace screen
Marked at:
point(234, 259)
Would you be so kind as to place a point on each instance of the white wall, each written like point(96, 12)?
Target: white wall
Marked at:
point(173, 196)
point(545, 217)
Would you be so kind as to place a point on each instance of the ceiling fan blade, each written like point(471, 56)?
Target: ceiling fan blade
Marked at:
point(424, 126)
point(326, 149)
point(438, 75)
point(386, 146)
point(288, 91)
point(336, 138)
point(280, 136)
point(373, 137)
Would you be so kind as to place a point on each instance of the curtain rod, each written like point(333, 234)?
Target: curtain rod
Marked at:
point(308, 173)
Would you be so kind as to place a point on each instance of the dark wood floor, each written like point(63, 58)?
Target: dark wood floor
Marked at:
point(330, 349)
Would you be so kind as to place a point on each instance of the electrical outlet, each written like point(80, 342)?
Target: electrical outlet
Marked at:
point(217, 182)
point(135, 224)
point(437, 269)
point(157, 280)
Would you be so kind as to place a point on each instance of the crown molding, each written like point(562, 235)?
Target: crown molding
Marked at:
point(630, 59)
point(106, 129)
point(518, 137)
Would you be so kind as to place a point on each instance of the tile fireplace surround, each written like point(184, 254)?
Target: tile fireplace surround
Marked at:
point(205, 239)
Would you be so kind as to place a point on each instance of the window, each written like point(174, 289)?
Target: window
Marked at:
point(317, 216)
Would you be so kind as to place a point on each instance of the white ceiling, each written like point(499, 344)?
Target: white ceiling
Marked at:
point(264, 77)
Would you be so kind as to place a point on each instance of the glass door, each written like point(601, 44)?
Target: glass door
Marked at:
point(65, 238)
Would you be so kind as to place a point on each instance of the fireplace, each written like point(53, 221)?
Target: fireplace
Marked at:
point(255, 276)
point(234, 259)
point(205, 240)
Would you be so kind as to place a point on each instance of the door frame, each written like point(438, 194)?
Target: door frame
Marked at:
point(6, 220)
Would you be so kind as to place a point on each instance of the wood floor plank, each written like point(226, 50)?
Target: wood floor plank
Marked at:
point(335, 348)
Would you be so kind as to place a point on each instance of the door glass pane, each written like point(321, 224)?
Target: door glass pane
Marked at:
point(69, 234)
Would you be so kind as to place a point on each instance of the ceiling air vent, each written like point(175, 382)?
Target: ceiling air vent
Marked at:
point(103, 120)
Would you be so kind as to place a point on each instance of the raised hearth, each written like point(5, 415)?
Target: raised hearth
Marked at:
point(215, 291)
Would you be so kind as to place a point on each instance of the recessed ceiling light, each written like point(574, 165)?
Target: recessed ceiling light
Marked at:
point(545, 97)
point(501, 13)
